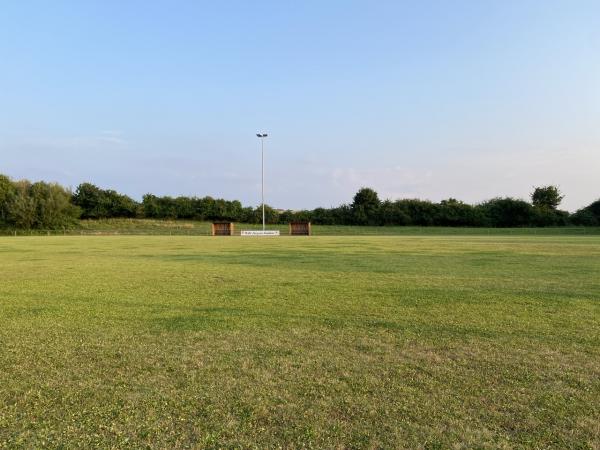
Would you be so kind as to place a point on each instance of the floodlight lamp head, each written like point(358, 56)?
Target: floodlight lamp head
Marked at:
point(261, 135)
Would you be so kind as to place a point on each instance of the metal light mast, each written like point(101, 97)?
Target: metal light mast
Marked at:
point(262, 137)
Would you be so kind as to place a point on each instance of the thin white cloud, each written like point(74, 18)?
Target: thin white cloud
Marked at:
point(66, 143)
point(475, 177)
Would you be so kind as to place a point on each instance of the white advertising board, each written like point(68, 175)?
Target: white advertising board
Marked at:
point(260, 233)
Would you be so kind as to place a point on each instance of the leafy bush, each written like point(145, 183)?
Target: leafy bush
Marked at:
point(508, 212)
point(37, 205)
point(96, 203)
point(588, 216)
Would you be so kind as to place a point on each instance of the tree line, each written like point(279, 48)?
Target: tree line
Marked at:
point(42, 205)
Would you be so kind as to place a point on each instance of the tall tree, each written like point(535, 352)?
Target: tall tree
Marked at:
point(97, 203)
point(91, 200)
point(53, 207)
point(22, 208)
point(548, 197)
point(365, 207)
point(7, 191)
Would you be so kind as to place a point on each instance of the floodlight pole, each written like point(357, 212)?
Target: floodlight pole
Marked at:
point(262, 176)
point(262, 137)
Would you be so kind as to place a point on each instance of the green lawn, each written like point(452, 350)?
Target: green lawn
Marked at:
point(325, 342)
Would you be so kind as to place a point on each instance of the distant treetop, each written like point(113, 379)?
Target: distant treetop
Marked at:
point(546, 197)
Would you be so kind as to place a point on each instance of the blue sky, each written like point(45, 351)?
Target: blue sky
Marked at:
point(428, 99)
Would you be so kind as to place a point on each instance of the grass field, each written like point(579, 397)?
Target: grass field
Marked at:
point(325, 342)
